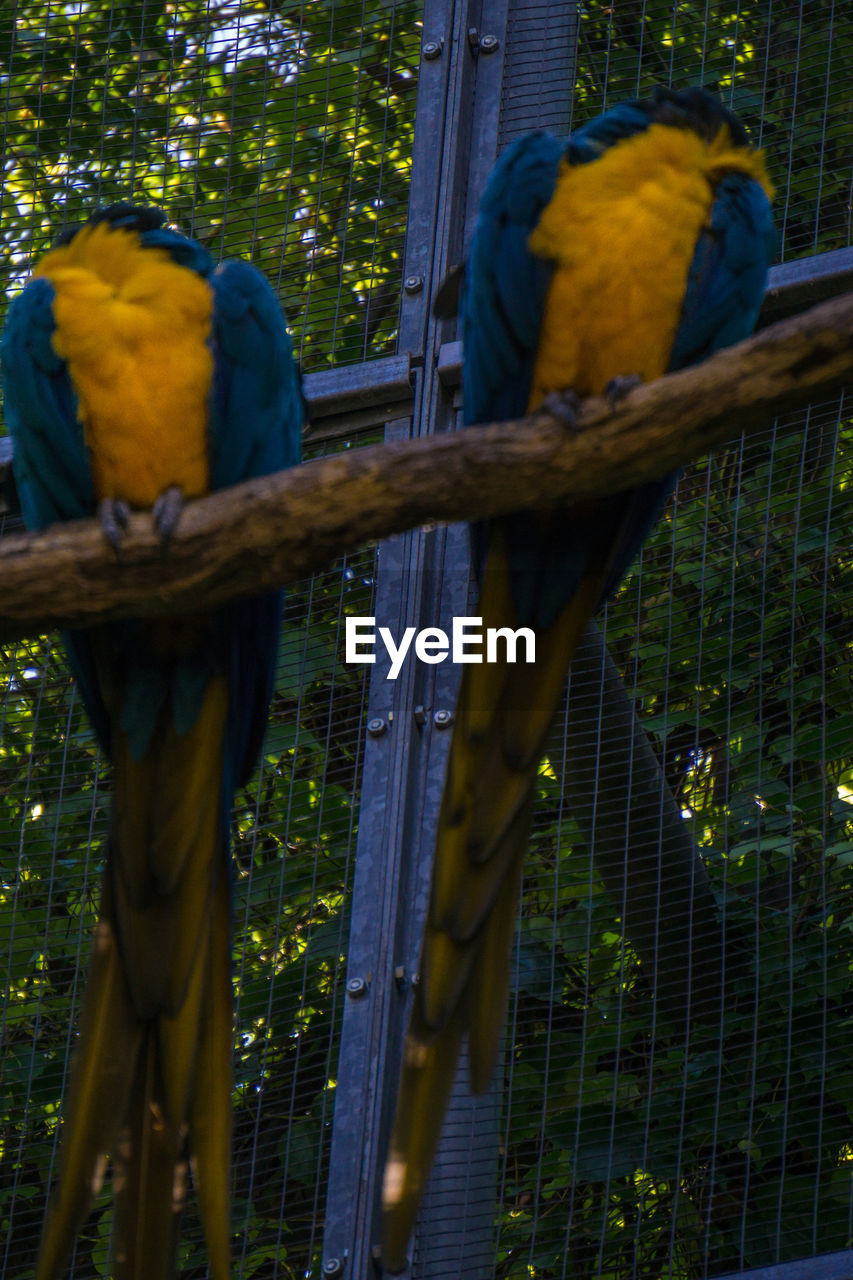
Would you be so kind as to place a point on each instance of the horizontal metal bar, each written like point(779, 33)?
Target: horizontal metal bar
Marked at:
point(449, 366)
point(831, 1266)
point(344, 425)
point(791, 287)
point(341, 402)
point(357, 387)
point(795, 286)
point(356, 398)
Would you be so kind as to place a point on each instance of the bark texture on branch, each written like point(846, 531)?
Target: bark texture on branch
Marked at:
point(279, 528)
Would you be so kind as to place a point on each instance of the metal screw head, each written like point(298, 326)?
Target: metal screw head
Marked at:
point(376, 727)
point(431, 50)
point(413, 284)
point(333, 1267)
point(442, 719)
point(488, 44)
point(356, 987)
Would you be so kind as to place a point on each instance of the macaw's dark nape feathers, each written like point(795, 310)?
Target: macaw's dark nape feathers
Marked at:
point(138, 374)
point(638, 246)
point(698, 110)
point(133, 217)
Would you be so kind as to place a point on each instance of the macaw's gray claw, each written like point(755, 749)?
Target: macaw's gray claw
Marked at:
point(166, 513)
point(618, 388)
point(564, 406)
point(113, 515)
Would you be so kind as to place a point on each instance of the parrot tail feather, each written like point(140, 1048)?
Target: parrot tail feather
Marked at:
point(504, 713)
point(102, 1076)
point(429, 1068)
point(149, 1179)
point(145, 1091)
point(210, 1108)
point(152, 1082)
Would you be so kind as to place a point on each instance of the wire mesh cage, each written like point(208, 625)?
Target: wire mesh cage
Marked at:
point(676, 1096)
point(266, 131)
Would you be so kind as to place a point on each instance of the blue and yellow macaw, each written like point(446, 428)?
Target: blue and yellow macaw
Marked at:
point(638, 246)
point(137, 375)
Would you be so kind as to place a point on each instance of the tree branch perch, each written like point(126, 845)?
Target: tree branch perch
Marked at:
point(273, 530)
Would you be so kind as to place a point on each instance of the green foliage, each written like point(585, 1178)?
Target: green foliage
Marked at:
point(266, 135)
point(783, 67)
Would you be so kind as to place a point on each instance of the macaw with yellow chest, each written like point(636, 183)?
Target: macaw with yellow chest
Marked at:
point(137, 375)
point(639, 246)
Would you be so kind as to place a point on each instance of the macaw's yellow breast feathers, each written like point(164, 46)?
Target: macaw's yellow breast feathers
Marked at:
point(622, 232)
point(133, 327)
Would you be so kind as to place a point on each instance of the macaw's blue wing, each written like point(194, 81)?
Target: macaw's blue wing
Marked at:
point(51, 461)
point(254, 367)
point(505, 285)
point(51, 466)
point(728, 273)
point(179, 704)
point(592, 260)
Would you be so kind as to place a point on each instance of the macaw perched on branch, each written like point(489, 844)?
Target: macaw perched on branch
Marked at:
point(136, 375)
point(638, 246)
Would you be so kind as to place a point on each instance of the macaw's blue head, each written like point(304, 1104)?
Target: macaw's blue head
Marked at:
point(136, 217)
point(695, 109)
point(148, 222)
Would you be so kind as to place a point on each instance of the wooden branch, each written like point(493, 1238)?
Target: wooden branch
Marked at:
point(273, 530)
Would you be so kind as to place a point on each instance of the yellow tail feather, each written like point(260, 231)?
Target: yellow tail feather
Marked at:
point(210, 1111)
point(504, 713)
point(102, 1073)
point(149, 1179)
point(151, 1083)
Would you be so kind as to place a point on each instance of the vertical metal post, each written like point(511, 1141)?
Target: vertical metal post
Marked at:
point(403, 765)
point(464, 108)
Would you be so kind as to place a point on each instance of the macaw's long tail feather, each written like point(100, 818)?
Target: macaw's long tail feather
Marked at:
point(504, 713)
point(210, 1106)
point(151, 1157)
point(149, 1174)
point(110, 1039)
point(151, 1084)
